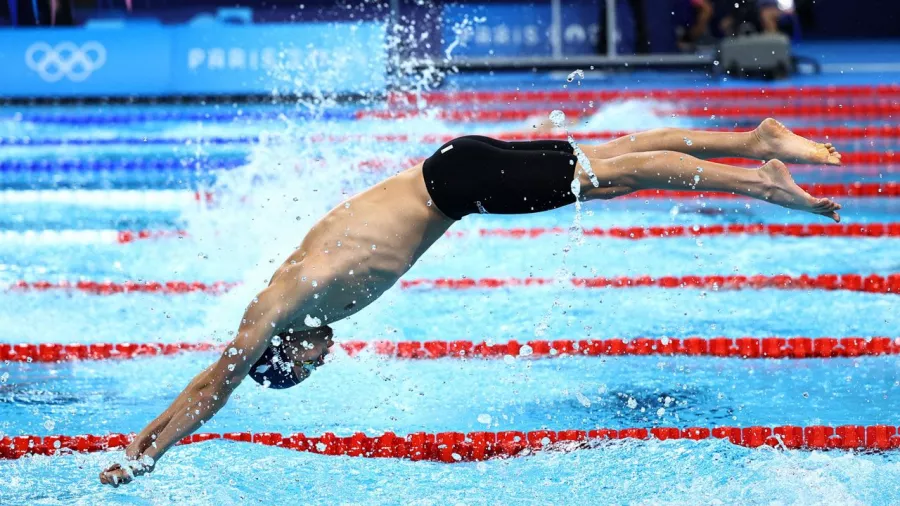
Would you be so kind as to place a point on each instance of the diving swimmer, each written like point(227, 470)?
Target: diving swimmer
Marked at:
point(362, 247)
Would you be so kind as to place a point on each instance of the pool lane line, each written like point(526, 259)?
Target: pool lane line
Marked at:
point(788, 93)
point(452, 447)
point(891, 229)
point(181, 198)
point(850, 96)
point(872, 283)
point(820, 133)
point(86, 237)
point(865, 111)
point(799, 230)
point(125, 118)
point(109, 198)
point(874, 160)
point(722, 347)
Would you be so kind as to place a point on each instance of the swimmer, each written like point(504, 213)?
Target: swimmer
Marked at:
point(364, 245)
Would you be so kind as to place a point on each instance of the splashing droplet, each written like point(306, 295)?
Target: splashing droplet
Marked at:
point(312, 321)
point(578, 73)
point(558, 118)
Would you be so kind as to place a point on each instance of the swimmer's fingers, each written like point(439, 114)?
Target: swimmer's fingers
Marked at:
point(115, 475)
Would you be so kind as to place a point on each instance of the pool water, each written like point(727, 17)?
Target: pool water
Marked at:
point(266, 192)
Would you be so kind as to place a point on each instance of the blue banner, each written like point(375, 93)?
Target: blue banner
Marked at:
point(210, 57)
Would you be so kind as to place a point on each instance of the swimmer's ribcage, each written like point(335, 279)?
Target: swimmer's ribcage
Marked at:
point(66, 59)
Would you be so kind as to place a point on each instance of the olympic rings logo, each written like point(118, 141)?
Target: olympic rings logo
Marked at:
point(66, 59)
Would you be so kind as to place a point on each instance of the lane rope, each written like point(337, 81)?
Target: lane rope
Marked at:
point(723, 347)
point(151, 116)
point(886, 132)
point(792, 93)
point(891, 229)
point(108, 198)
point(875, 161)
point(872, 283)
point(799, 230)
point(43, 165)
point(177, 198)
point(852, 97)
point(860, 112)
point(830, 133)
point(451, 447)
point(883, 161)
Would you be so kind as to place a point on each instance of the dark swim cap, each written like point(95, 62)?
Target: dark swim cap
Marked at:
point(274, 369)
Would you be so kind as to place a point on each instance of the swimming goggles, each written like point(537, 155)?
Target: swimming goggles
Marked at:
point(309, 366)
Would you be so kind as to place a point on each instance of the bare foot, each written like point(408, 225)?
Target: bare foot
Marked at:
point(779, 188)
point(776, 141)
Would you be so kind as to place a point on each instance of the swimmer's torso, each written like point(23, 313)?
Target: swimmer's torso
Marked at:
point(364, 245)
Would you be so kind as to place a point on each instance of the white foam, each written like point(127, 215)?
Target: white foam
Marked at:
point(58, 237)
point(103, 198)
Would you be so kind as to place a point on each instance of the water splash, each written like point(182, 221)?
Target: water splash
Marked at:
point(576, 230)
point(575, 74)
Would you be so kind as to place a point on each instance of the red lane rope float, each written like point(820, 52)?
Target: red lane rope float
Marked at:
point(450, 447)
point(887, 131)
point(891, 229)
point(826, 132)
point(741, 347)
point(112, 287)
point(55, 352)
point(852, 282)
point(178, 198)
point(865, 111)
point(787, 94)
point(872, 283)
point(848, 159)
point(669, 231)
point(858, 190)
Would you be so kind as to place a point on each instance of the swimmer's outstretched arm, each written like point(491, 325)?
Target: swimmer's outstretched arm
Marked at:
point(209, 391)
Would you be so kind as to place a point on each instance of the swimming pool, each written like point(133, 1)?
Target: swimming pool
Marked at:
point(191, 194)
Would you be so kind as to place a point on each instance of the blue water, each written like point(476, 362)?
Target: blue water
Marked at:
point(269, 196)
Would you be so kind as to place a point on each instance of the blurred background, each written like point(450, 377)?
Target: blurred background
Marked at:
point(111, 48)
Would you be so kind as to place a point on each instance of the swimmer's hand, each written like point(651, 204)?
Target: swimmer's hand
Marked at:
point(118, 474)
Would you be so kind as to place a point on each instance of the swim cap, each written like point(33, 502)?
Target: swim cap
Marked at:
point(275, 369)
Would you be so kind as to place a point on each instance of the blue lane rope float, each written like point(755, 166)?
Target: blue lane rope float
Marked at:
point(143, 141)
point(127, 164)
point(144, 117)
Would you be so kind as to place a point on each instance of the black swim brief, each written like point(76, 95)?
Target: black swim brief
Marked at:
point(475, 174)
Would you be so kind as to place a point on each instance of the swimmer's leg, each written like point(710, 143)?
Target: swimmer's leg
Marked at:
point(670, 170)
point(770, 140)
